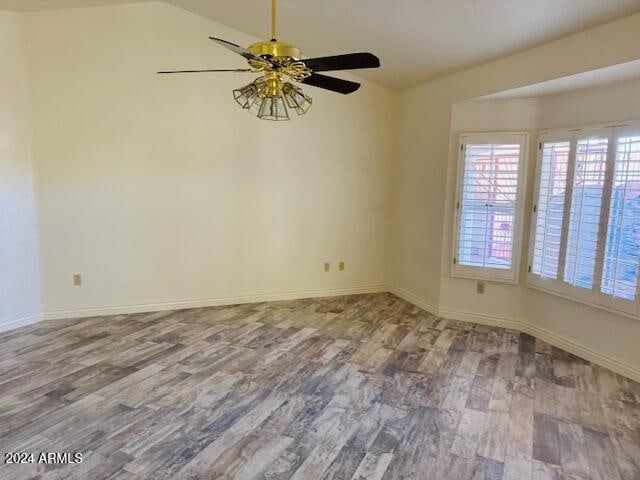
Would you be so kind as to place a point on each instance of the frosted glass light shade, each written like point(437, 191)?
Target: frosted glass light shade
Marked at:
point(296, 98)
point(245, 96)
point(273, 108)
point(255, 105)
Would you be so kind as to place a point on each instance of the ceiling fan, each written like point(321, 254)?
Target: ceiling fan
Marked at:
point(269, 95)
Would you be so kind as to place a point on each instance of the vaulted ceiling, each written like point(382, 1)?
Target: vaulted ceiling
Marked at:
point(416, 40)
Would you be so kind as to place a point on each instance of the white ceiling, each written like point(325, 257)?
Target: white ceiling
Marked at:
point(416, 40)
point(33, 5)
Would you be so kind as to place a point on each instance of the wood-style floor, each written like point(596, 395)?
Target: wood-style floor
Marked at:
point(356, 387)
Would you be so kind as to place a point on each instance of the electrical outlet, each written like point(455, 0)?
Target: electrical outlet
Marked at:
point(480, 287)
point(341, 266)
point(327, 266)
point(77, 280)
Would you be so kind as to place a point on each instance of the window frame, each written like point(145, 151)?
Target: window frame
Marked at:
point(558, 286)
point(498, 275)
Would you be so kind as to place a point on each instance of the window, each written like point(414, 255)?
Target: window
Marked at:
point(553, 179)
point(622, 248)
point(586, 223)
point(489, 206)
point(584, 216)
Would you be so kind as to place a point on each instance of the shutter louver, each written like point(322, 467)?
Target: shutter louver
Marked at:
point(550, 208)
point(584, 218)
point(622, 247)
point(587, 246)
point(488, 206)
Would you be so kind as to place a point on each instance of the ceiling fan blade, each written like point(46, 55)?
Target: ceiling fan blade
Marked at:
point(331, 83)
point(349, 61)
point(236, 70)
point(239, 50)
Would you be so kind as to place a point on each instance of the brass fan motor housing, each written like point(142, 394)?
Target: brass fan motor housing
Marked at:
point(284, 58)
point(274, 48)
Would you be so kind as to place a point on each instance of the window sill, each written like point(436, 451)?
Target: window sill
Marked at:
point(490, 277)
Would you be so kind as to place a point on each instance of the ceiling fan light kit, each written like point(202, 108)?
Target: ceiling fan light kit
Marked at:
point(271, 95)
point(270, 99)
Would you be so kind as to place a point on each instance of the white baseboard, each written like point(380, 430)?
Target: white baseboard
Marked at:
point(623, 368)
point(548, 336)
point(20, 322)
point(481, 318)
point(209, 302)
point(455, 314)
point(582, 351)
point(415, 299)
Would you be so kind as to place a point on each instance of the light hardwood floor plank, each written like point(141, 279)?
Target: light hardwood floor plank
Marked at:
point(361, 387)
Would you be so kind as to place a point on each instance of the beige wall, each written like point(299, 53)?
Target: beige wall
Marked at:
point(161, 190)
point(20, 300)
point(607, 103)
point(483, 116)
point(604, 332)
point(425, 186)
point(424, 140)
point(602, 336)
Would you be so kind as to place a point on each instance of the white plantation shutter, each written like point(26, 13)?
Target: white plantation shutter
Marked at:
point(622, 248)
point(487, 206)
point(550, 208)
point(585, 239)
point(584, 217)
